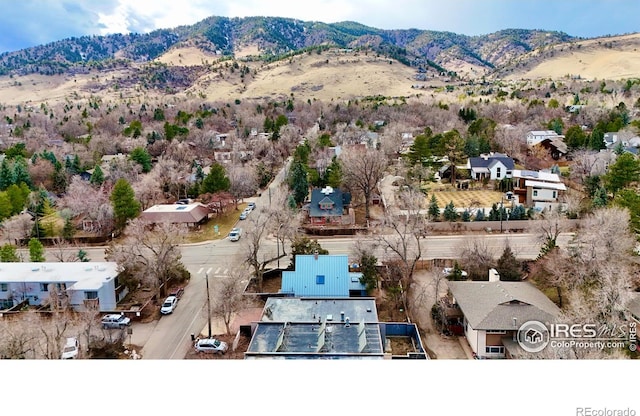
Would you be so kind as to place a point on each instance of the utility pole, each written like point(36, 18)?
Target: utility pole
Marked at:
point(501, 209)
point(278, 244)
point(208, 304)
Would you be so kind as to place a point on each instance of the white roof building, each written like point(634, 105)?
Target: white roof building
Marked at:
point(76, 282)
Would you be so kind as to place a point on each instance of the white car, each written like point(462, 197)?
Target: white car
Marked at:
point(115, 321)
point(235, 234)
point(448, 270)
point(169, 305)
point(211, 345)
point(70, 350)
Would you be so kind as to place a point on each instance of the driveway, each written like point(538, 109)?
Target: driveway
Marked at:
point(422, 298)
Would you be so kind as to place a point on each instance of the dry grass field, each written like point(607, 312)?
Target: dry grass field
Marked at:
point(466, 198)
point(604, 58)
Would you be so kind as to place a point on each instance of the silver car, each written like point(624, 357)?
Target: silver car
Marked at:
point(235, 234)
point(115, 321)
point(169, 305)
point(211, 345)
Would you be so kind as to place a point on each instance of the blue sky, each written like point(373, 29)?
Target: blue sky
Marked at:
point(33, 22)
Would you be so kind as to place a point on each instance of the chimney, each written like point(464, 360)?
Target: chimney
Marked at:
point(494, 276)
point(347, 324)
point(315, 255)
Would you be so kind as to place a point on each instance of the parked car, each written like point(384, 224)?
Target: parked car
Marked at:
point(211, 345)
point(70, 350)
point(251, 206)
point(169, 305)
point(243, 215)
point(235, 234)
point(177, 292)
point(448, 270)
point(115, 321)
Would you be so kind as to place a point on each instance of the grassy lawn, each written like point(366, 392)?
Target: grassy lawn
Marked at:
point(225, 223)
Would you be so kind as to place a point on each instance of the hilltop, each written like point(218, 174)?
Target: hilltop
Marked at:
point(260, 57)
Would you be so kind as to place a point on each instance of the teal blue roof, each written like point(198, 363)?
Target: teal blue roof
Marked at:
point(321, 276)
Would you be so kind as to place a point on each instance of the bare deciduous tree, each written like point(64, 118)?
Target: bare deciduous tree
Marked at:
point(151, 255)
point(404, 242)
point(229, 295)
point(476, 258)
point(362, 170)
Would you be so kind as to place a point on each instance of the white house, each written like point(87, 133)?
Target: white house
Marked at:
point(76, 282)
point(537, 189)
point(537, 136)
point(494, 166)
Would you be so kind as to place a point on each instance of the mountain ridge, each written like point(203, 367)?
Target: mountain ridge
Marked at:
point(277, 36)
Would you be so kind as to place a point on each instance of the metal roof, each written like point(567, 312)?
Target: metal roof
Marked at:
point(320, 276)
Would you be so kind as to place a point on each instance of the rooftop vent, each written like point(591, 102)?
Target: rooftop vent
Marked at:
point(327, 190)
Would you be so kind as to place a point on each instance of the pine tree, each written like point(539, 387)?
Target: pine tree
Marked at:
point(508, 267)
point(97, 177)
point(7, 177)
point(298, 182)
point(125, 205)
point(450, 213)
point(434, 209)
point(142, 157)
point(216, 180)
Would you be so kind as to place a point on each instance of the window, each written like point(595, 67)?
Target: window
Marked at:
point(4, 287)
point(535, 192)
point(326, 205)
point(494, 350)
point(92, 294)
point(320, 279)
point(44, 287)
point(554, 194)
point(498, 171)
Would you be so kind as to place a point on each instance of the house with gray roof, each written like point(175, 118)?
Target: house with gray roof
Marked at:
point(493, 166)
point(494, 311)
point(322, 276)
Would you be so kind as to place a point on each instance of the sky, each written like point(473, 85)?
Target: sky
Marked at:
point(29, 23)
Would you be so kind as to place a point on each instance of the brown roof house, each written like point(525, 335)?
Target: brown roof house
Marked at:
point(190, 214)
point(494, 311)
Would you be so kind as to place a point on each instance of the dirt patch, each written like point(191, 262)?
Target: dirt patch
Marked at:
point(400, 345)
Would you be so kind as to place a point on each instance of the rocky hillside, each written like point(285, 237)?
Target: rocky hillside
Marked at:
point(270, 38)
